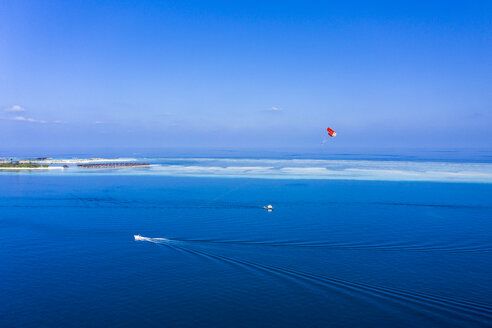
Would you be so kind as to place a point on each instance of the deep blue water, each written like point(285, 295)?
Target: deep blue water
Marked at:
point(332, 253)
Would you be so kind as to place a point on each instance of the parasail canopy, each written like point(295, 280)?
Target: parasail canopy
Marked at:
point(331, 133)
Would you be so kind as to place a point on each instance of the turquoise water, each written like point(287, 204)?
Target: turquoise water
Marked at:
point(291, 169)
point(377, 251)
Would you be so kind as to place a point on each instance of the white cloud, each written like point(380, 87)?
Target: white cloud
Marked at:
point(26, 119)
point(59, 122)
point(14, 109)
point(274, 109)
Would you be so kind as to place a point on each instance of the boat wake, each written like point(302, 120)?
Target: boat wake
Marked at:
point(150, 240)
point(438, 307)
point(397, 247)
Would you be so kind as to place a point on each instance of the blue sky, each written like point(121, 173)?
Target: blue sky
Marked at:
point(245, 74)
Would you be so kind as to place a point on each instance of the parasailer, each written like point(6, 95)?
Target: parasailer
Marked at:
point(331, 133)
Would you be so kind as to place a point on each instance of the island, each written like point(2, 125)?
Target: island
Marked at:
point(22, 166)
point(49, 160)
point(44, 163)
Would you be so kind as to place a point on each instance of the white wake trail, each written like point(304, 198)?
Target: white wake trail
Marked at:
point(151, 240)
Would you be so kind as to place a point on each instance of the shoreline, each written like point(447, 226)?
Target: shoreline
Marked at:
point(82, 160)
point(31, 168)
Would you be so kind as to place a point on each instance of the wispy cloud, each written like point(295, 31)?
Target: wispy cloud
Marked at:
point(26, 119)
point(18, 113)
point(98, 122)
point(274, 109)
point(14, 109)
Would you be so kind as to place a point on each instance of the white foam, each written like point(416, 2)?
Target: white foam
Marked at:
point(152, 240)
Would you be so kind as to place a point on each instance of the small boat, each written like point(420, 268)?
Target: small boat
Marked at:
point(268, 207)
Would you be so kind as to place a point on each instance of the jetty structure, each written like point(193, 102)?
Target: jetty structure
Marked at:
point(115, 165)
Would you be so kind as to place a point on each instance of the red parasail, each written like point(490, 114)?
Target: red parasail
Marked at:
point(331, 133)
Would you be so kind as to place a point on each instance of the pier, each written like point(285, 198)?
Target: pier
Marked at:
point(112, 165)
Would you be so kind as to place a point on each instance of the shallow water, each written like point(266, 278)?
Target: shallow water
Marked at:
point(332, 253)
point(292, 169)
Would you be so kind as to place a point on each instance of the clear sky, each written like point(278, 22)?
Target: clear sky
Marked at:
point(245, 73)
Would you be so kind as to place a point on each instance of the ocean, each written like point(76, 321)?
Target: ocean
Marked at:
point(351, 242)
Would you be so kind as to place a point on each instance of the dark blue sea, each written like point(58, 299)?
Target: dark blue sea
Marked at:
point(384, 249)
